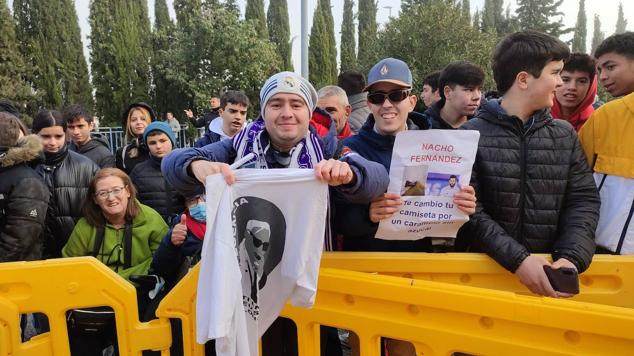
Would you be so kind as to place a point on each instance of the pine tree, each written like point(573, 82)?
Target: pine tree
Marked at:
point(322, 65)
point(347, 49)
point(492, 16)
point(232, 7)
point(597, 35)
point(13, 71)
point(621, 22)
point(537, 15)
point(187, 12)
point(51, 43)
point(120, 50)
point(279, 31)
point(166, 94)
point(579, 39)
point(255, 11)
point(476, 20)
point(406, 5)
point(367, 53)
point(162, 21)
point(466, 10)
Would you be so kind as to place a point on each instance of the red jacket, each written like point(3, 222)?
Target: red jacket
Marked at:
point(583, 111)
point(321, 121)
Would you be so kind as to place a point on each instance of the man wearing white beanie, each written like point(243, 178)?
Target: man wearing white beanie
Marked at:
point(280, 138)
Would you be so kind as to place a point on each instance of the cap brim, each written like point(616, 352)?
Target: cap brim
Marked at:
point(393, 81)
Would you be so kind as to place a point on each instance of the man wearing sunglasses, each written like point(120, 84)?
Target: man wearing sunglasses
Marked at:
point(391, 105)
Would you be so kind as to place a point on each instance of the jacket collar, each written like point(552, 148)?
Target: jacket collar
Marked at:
point(492, 112)
point(26, 150)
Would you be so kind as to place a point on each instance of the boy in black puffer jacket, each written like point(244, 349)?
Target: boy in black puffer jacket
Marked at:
point(154, 190)
point(535, 191)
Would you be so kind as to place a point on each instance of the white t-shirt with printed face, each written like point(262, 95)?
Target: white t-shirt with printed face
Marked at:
point(263, 246)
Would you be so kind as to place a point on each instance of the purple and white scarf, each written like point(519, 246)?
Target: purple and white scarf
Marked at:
point(252, 143)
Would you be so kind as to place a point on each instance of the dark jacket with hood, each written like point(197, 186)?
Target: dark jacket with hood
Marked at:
point(352, 221)
point(97, 149)
point(23, 202)
point(135, 151)
point(433, 115)
point(535, 191)
point(155, 191)
point(67, 175)
point(205, 119)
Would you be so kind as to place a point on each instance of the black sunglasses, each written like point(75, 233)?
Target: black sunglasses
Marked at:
point(395, 96)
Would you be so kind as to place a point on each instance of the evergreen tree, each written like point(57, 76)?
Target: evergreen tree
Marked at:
point(537, 15)
point(476, 20)
point(367, 32)
point(492, 16)
point(466, 10)
point(232, 7)
point(187, 12)
point(120, 50)
point(166, 94)
point(13, 71)
point(322, 56)
point(51, 43)
point(279, 31)
point(597, 35)
point(255, 12)
point(347, 49)
point(621, 22)
point(579, 39)
point(406, 5)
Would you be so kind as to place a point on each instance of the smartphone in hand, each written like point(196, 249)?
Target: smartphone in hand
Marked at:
point(564, 279)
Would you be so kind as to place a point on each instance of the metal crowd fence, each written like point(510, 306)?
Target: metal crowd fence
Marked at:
point(114, 135)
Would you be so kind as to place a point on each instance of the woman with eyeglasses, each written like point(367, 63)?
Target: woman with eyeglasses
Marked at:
point(123, 234)
point(115, 228)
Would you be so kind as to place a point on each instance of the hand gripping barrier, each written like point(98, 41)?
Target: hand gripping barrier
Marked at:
point(609, 280)
point(53, 287)
point(438, 318)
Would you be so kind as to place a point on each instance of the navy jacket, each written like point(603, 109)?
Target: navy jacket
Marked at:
point(352, 220)
point(208, 138)
point(154, 191)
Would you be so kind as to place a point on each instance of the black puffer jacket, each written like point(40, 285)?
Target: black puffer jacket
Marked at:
point(67, 175)
point(154, 191)
point(23, 202)
point(535, 191)
point(97, 149)
point(135, 151)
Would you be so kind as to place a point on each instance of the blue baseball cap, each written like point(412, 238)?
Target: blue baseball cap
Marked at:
point(390, 70)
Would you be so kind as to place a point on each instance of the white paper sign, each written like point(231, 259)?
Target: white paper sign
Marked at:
point(428, 167)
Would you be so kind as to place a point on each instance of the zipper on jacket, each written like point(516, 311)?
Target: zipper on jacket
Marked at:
point(624, 232)
point(523, 154)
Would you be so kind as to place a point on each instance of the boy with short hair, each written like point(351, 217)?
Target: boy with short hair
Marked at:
point(535, 190)
point(430, 94)
point(606, 139)
point(79, 127)
point(575, 98)
point(459, 85)
point(153, 190)
point(233, 115)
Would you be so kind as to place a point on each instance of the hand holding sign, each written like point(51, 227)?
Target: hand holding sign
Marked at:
point(384, 206)
point(179, 232)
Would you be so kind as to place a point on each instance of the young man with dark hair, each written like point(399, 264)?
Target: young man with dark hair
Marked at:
point(535, 190)
point(353, 83)
point(233, 115)
point(607, 141)
point(574, 99)
point(430, 94)
point(459, 86)
point(79, 126)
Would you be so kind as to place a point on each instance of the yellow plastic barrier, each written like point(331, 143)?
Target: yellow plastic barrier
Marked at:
point(53, 287)
point(439, 318)
point(609, 280)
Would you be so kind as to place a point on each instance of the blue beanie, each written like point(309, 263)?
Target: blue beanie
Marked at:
point(160, 126)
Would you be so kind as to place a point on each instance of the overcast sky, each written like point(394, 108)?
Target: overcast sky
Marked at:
point(606, 9)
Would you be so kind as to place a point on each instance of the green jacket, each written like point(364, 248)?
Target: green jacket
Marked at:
point(148, 228)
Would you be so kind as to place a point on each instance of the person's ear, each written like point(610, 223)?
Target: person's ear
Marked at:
point(348, 111)
point(413, 99)
point(92, 125)
point(447, 91)
point(522, 79)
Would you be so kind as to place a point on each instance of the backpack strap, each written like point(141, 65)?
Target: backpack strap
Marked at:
point(98, 241)
point(127, 246)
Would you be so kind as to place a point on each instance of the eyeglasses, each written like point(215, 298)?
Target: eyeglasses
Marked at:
point(395, 96)
point(104, 194)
